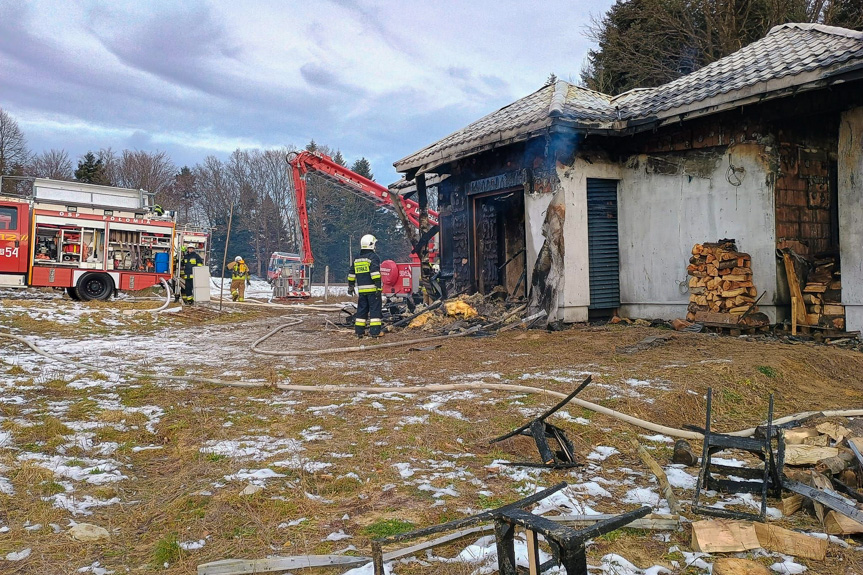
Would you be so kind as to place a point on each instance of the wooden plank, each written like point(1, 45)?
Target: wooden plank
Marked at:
point(653, 522)
point(794, 304)
point(654, 467)
point(271, 564)
point(807, 454)
point(789, 542)
point(724, 536)
point(794, 288)
point(532, 552)
point(398, 553)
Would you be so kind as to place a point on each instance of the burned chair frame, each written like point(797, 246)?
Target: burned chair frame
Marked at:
point(760, 480)
point(542, 432)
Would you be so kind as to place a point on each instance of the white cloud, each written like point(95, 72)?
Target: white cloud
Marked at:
point(379, 79)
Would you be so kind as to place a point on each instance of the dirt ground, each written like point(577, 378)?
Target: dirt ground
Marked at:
point(165, 465)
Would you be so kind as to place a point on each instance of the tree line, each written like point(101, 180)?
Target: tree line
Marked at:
point(647, 43)
point(257, 183)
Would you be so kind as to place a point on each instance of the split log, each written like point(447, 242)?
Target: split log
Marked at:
point(792, 504)
point(807, 454)
point(838, 524)
point(789, 542)
point(817, 441)
point(735, 566)
point(796, 436)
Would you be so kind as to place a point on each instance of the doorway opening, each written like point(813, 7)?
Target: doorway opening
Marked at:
point(499, 243)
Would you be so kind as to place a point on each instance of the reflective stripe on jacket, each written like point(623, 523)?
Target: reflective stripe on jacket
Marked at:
point(365, 272)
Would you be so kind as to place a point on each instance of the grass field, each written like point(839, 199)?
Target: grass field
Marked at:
point(165, 466)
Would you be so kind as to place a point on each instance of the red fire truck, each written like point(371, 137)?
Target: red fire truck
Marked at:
point(89, 240)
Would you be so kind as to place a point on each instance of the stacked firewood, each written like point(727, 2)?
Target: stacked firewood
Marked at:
point(823, 295)
point(720, 280)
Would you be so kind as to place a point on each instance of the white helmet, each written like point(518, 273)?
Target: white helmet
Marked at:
point(367, 242)
point(238, 259)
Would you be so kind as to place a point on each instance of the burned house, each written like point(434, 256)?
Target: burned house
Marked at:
point(589, 203)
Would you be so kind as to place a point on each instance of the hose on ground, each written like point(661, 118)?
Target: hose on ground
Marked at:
point(161, 308)
point(650, 426)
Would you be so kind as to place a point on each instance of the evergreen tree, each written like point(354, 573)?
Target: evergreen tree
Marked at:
point(363, 168)
point(312, 146)
point(339, 159)
point(91, 170)
point(647, 43)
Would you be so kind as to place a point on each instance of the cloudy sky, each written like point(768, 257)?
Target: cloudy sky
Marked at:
point(373, 78)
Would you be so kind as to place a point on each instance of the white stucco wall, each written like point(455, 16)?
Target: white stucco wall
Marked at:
point(850, 167)
point(535, 206)
point(660, 218)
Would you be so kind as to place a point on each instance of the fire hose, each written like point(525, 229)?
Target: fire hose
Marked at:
point(650, 426)
point(160, 309)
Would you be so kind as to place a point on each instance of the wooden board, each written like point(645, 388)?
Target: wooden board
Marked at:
point(271, 564)
point(724, 536)
point(789, 542)
point(794, 288)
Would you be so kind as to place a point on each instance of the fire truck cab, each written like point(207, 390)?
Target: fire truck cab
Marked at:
point(89, 240)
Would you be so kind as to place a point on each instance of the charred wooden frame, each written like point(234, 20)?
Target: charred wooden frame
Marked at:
point(567, 544)
point(542, 431)
point(770, 477)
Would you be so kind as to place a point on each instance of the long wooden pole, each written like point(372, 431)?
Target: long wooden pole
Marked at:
point(225, 256)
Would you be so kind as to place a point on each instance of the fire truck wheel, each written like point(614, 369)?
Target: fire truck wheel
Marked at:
point(95, 286)
point(73, 293)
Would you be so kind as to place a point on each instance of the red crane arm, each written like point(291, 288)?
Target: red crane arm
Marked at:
point(350, 181)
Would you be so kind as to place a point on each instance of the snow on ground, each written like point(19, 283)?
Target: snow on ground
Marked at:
point(269, 460)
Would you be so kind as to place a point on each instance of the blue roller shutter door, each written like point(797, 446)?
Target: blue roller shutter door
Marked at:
point(602, 241)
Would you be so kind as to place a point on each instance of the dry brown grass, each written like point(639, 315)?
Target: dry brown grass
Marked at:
point(165, 496)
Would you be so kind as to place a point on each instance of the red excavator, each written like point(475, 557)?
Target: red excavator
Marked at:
point(397, 278)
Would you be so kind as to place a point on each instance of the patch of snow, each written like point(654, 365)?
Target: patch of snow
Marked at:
point(602, 452)
point(592, 488)
point(337, 536)
point(79, 505)
point(642, 495)
point(405, 469)
point(256, 448)
point(659, 438)
point(678, 477)
point(18, 555)
point(192, 545)
point(563, 501)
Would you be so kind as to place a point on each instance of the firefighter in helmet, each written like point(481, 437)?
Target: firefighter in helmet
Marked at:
point(240, 278)
point(365, 277)
point(191, 260)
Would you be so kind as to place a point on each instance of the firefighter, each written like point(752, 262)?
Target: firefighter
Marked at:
point(190, 260)
point(239, 279)
point(365, 276)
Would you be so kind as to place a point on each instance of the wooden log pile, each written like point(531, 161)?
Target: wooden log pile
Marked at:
point(822, 295)
point(720, 280)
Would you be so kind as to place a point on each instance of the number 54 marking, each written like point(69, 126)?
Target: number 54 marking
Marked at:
point(9, 252)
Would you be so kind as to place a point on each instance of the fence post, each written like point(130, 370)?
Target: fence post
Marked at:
point(326, 282)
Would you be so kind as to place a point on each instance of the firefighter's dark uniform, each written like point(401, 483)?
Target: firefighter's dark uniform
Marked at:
point(190, 260)
point(365, 273)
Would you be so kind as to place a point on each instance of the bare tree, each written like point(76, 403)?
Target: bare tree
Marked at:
point(150, 171)
point(13, 145)
point(53, 164)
